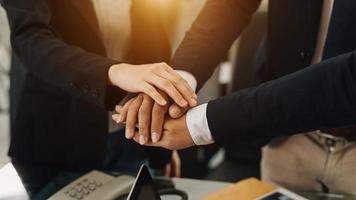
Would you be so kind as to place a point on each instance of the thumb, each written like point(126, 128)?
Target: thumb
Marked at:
point(176, 111)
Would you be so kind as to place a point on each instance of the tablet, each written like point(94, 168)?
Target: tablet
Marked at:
point(143, 188)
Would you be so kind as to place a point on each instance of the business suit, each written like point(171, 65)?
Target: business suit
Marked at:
point(319, 96)
point(289, 47)
point(61, 117)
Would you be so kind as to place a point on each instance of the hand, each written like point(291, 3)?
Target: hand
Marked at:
point(173, 168)
point(175, 135)
point(146, 78)
point(142, 112)
point(149, 116)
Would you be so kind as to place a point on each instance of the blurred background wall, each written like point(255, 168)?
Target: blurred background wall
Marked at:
point(5, 58)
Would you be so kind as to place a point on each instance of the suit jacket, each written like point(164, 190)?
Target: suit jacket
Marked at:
point(318, 96)
point(62, 114)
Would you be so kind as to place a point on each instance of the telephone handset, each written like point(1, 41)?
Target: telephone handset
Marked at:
point(96, 185)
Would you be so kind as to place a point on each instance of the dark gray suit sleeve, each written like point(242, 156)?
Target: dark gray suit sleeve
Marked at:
point(320, 96)
point(211, 35)
point(47, 57)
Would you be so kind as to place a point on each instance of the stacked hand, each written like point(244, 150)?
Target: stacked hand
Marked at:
point(147, 111)
point(160, 91)
point(147, 78)
point(150, 117)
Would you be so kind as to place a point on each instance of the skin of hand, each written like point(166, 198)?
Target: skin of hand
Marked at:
point(175, 135)
point(147, 115)
point(149, 78)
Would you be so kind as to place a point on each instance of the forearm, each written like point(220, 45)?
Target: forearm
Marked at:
point(46, 56)
point(320, 96)
point(211, 35)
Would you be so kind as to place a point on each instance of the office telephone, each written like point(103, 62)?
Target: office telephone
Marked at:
point(96, 185)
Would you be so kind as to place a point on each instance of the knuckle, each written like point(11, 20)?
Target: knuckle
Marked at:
point(166, 84)
point(140, 97)
point(166, 65)
point(163, 64)
point(178, 79)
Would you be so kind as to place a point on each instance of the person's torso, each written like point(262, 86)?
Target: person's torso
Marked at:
point(47, 119)
point(50, 125)
point(293, 27)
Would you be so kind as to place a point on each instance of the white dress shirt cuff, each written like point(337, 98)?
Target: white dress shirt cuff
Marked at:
point(192, 81)
point(198, 127)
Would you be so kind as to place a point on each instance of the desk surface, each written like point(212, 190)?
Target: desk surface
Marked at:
point(196, 189)
point(12, 187)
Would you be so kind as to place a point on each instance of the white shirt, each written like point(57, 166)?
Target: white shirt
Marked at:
point(196, 119)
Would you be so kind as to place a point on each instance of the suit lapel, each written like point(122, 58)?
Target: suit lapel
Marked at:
point(86, 9)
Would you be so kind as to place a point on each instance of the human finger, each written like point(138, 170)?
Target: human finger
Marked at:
point(131, 118)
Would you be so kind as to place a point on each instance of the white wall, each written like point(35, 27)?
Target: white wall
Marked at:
point(4, 86)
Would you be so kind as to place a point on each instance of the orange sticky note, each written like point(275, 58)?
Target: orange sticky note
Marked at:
point(248, 189)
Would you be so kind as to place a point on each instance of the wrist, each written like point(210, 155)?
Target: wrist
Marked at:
point(113, 71)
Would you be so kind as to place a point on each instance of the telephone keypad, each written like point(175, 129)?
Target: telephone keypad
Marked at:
point(83, 189)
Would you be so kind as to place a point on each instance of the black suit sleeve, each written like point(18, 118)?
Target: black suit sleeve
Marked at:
point(320, 96)
point(211, 35)
point(46, 56)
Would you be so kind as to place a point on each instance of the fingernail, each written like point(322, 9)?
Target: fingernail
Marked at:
point(176, 110)
point(163, 102)
point(113, 117)
point(183, 103)
point(195, 96)
point(193, 101)
point(119, 119)
point(142, 139)
point(129, 133)
point(155, 137)
point(118, 108)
